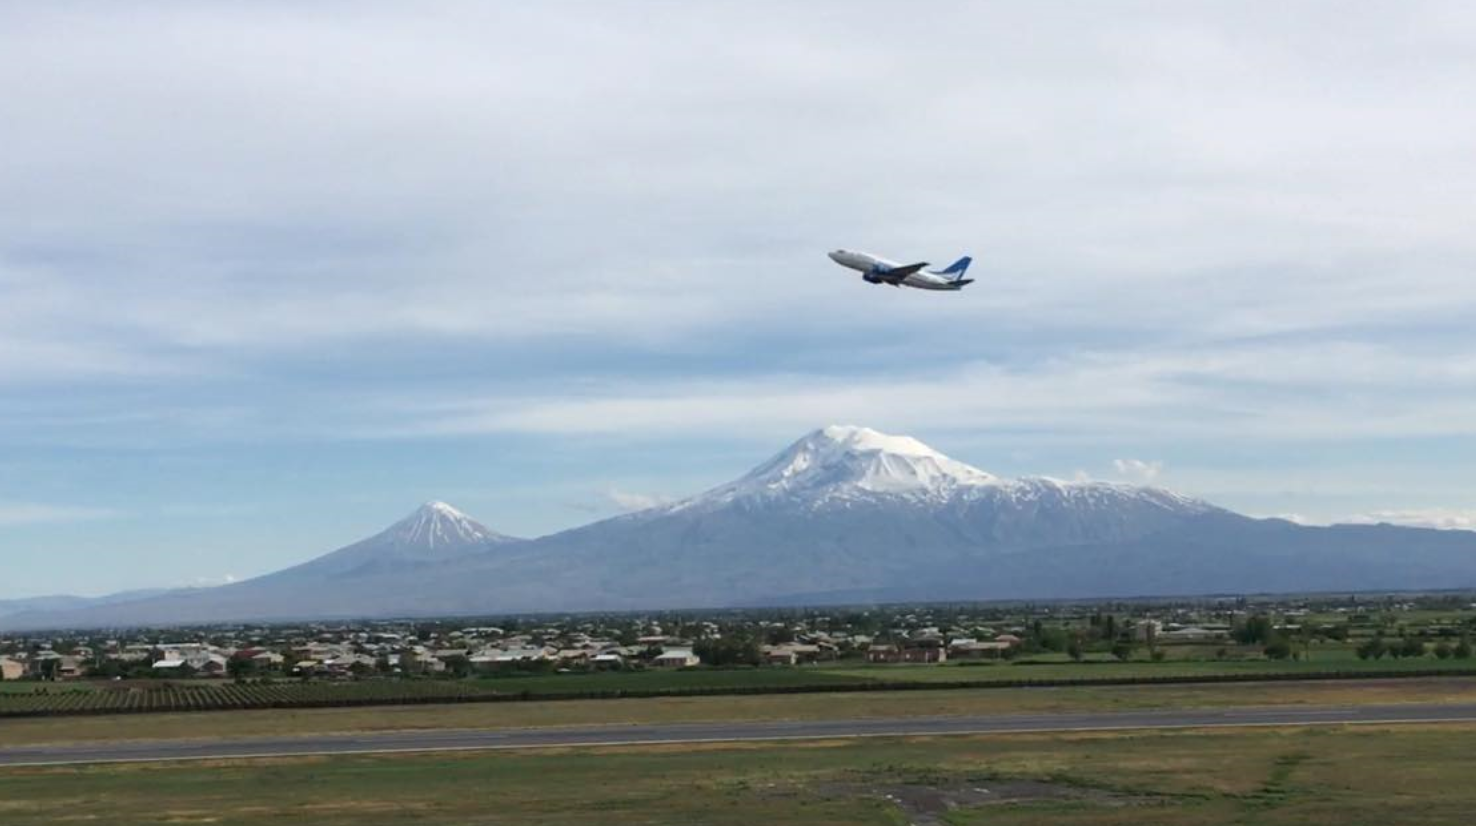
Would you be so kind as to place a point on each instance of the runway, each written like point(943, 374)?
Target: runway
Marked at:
point(717, 732)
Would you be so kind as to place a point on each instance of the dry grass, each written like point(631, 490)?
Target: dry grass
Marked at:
point(1417, 774)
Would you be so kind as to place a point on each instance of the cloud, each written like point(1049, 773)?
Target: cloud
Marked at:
point(711, 151)
point(1441, 518)
point(1258, 391)
point(1137, 469)
point(626, 500)
point(28, 513)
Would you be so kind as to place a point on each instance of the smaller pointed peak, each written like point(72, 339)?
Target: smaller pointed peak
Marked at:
point(436, 523)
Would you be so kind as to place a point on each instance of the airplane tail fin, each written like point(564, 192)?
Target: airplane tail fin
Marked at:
point(956, 269)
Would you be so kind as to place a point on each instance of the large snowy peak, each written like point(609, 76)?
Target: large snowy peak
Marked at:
point(843, 465)
point(842, 461)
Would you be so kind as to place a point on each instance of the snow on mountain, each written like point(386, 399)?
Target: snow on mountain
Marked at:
point(843, 464)
point(843, 510)
point(437, 524)
point(843, 515)
point(841, 461)
point(434, 532)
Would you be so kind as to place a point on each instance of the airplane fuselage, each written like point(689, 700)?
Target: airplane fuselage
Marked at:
point(878, 270)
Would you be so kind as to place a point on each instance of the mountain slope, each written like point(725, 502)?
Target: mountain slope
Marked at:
point(845, 514)
point(844, 509)
point(380, 575)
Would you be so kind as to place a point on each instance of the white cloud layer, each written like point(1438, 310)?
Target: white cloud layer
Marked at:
point(1442, 518)
point(626, 500)
point(1137, 469)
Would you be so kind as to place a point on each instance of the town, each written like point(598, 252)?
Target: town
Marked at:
point(1330, 629)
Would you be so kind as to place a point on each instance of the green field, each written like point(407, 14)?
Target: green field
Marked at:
point(849, 705)
point(1411, 775)
point(29, 698)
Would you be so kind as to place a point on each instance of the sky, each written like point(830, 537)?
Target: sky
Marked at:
point(273, 274)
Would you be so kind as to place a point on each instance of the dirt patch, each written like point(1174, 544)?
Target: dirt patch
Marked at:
point(925, 804)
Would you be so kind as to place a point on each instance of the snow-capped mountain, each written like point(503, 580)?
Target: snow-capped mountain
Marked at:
point(843, 515)
point(396, 571)
point(433, 533)
point(844, 511)
point(844, 462)
point(841, 464)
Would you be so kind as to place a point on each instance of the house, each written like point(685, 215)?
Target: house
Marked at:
point(607, 660)
point(924, 654)
point(883, 653)
point(677, 658)
point(348, 663)
point(210, 665)
point(1193, 633)
point(779, 655)
point(971, 649)
point(268, 659)
point(795, 653)
point(11, 669)
point(51, 665)
point(1147, 630)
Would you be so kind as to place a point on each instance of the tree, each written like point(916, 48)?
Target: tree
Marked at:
point(1463, 649)
point(1443, 650)
point(409, 662)
point(239, 668)
point(1255, 629)
point(458, 665)
point(1372, 649)
point(1052, 639)
point(733, 649)
point(779, 635)
point(1073, 648)
point(1412, 647)
point(1123, 649)
point(1279, 648)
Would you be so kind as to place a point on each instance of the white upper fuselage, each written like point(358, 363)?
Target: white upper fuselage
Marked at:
point(874, 269)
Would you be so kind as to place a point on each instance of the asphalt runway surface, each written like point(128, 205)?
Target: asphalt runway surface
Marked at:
point(718, 732)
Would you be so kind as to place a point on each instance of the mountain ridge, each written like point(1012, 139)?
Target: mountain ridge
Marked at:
point(843, 511)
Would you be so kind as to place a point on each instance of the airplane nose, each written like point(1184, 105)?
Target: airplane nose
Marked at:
point(834, 256)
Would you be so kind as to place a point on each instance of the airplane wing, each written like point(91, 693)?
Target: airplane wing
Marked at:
point(896, 274)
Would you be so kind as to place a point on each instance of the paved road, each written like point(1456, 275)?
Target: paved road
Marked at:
point(480, 739)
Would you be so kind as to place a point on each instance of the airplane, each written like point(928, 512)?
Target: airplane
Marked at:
point(881, 271)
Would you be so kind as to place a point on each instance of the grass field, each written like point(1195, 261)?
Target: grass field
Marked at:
point(748, 707)
point(1411, 775)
